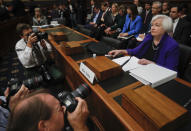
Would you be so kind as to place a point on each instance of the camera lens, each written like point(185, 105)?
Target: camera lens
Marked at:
point(33, 82)
point(82, 91)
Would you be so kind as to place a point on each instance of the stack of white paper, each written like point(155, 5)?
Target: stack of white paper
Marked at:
point(121, 60)
point(125, 37)
point(131, 64)
point(153, 74)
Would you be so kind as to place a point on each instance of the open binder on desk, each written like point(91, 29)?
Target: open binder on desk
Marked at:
point(153, 75)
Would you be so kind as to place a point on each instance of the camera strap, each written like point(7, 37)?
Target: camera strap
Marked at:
point(37, 54)
point(67, 126)
point(6, 104)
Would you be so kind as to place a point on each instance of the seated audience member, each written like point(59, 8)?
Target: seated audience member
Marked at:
point(133, 22)
point(64, 15)
point(5, 109)
point(18, 8)
point(38, 18)
point(110, 16)
point(73, 10)
point(107, 20)
point(114, 30)
point(157, 47)
point(106, 11)
point(181, 27)
point(53, 14)
point(41, 111)
point(90, 10)
point(31, 6)
point(139, 8)
point(156, 9)
point(10, 10)
point(96, 18)
point(183, 12)
point(4, 13)
point(81, 11)
point(165, 8)
point(132, 26)
point(146, 17)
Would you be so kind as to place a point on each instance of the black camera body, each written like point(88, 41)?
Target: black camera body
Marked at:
point(68, 99)
point(41, 35)
point(31, 83)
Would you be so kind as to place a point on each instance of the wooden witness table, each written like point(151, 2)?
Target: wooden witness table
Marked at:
point(104, 102)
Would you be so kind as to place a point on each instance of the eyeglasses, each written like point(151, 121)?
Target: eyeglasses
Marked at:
point(155, 7)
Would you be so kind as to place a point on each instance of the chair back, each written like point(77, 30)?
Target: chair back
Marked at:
point(184, 59)
point(115, 43)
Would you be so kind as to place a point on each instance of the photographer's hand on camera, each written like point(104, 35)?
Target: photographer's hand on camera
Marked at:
point(77, 119)
point(32, 39)
point(23, 91)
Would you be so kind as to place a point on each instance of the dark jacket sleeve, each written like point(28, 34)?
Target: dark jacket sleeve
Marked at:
point(119, 22)
point(98, 21)
point(185, 37)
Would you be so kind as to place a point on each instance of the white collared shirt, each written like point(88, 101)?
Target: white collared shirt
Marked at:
point(175, 24)
point(25, 53)
point(95, 18)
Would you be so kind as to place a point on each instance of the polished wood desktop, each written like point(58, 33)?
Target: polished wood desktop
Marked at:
point(103, 102)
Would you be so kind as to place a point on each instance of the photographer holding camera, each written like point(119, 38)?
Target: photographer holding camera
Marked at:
point(34, 52)
point(41, 111)
point(25, 47)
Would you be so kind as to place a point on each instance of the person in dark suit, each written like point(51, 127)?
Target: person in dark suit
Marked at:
point(114, 30)
point(184, 13)
point(4, 15)
point(156, 10)
point(96, 18)
point(90, 10)
point(181, 27)
point(109, 15)
point(146, 17)
point(73, 10)
point(18, 8)
point(107, 20)
point(165, 8)
point(81, 11)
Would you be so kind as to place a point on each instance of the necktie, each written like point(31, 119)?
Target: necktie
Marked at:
point(37, 55)
point(147, 12)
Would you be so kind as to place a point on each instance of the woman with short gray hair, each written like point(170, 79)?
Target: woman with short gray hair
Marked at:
point(38, 18)
point(166, 23)
point(157, 47)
